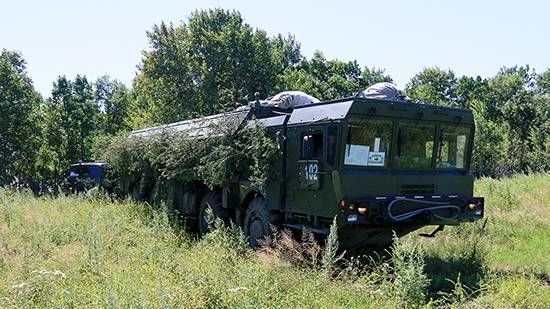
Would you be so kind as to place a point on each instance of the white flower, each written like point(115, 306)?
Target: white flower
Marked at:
point(237, 289)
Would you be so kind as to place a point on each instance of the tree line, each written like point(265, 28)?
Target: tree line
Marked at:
point(214, 62)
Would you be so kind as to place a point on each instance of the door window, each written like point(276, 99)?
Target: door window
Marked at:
point(312, 146)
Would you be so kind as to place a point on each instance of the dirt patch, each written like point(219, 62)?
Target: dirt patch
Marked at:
point(68, 254)
point(4, 229)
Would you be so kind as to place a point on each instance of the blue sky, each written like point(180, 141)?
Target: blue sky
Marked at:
point(106, 37)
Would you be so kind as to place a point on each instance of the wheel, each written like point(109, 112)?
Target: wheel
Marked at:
point(257, 221)
point(134, 191)
point(211, 200)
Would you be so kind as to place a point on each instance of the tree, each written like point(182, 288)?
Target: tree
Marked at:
point(543, 83)
point(208, 64)
point(285, 52)
point(215, 61)
point(512, 98)
point(330, 79)
point(51, 160)
point(519, 101)
point(113, 100)
point(490, 154)
point(434, 86)
point(19, 103)
point(373, 75)
point(469, 89)
point(74, 116)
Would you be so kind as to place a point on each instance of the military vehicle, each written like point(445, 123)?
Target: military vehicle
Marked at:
point(84, 175)
point(380, 166)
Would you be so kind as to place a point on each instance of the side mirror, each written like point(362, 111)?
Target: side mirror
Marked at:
point(307, 147)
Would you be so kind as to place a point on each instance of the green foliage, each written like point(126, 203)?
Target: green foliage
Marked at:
point(306, 252)
point(113, 99)
point(19, 104)
point(208, 64)
point(490, 153)
point(330, 79)
point(78, 116)
point(69, 129)
point(231, 237)
point(76, 252)
point(211, 160)
point(215, 60)
point(74, 124)
point(434, 86)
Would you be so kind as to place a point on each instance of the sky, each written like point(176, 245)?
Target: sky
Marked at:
point(95, 38)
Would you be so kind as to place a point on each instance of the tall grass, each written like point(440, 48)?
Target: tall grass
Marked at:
point(87, 251)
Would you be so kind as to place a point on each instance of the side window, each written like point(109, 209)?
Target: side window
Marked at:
point(312, 146)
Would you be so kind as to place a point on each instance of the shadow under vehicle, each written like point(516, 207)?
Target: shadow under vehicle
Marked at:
point(379, 166)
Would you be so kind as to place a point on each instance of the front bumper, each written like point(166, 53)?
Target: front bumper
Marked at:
point(381, 211)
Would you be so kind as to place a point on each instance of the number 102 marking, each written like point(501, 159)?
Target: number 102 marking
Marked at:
point(312, 171)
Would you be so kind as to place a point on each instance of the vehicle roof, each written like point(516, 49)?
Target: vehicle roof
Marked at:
point(89, 164)
point(333, 110)
point(359, 107)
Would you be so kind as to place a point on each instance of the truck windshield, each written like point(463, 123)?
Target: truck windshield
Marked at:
point(415, 144)
point(368, 143)
point(453, 146)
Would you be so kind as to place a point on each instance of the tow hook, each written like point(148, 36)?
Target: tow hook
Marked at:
point(432, 234)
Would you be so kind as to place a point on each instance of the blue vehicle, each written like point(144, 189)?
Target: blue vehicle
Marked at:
point(85, 175)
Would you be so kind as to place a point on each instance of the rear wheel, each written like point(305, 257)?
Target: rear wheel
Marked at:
point(212, 200)
point(257, 221)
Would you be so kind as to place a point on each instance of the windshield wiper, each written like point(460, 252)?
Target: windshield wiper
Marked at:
point(318, 120)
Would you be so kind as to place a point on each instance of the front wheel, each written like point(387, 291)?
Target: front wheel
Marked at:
point(257, 221)
point(212, 200)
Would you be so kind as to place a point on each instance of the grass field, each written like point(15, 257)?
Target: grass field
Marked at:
point(90, 252)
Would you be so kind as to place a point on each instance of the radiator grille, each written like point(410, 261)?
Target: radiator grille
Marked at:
point(417, 189)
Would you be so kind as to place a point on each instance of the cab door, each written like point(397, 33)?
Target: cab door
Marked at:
point(309, 187)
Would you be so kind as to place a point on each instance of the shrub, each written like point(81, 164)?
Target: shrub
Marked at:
point(410, 283)
point(330, 252)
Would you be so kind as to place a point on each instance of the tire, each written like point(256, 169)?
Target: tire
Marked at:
point(135, 192)
point(257, 222)
point(211, 200)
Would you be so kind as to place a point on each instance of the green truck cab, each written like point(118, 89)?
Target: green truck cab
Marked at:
point(380, 166)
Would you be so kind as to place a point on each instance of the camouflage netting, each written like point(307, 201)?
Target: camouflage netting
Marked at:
point(169, 155)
